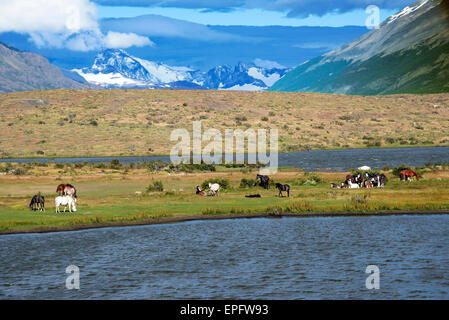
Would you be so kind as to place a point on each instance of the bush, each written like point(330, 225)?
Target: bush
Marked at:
point(247, 183)
point(156, 186)
point(19, 172)
point(115, 164)
point(224, 183)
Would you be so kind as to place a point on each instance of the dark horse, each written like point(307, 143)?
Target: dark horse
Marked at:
point(66, 189)
point(264, 181)
point(283, 187)
point(37, 203)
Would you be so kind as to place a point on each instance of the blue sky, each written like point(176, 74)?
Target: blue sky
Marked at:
point(248, 17)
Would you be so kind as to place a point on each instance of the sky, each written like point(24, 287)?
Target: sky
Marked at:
point(75, 24)
point(247, 17)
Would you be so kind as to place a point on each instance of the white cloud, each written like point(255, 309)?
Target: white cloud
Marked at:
point(268, 64)
point(124, 40)
point(63, 23)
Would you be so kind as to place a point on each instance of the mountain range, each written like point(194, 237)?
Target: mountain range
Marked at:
point(408, 53)
point(115, 68)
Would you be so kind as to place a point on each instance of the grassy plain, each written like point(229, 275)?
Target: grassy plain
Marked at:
point(139, 122)
point(120, 197)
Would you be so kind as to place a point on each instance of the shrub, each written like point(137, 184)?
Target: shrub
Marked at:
point(155, 186)
point(115, 164)
point(264, 119)
point(19, 172)
point(224, 183)
point(247, 183)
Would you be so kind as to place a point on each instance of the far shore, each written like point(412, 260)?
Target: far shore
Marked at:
point(180, 219)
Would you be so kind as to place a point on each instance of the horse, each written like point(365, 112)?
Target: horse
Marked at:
point(66, 189)
point(214, 188)
point(200, 192)
point(406, 174)
point(352, 185)
point(367, 184)
point(264, 181)
point(377, 180)
point(65, 201)
point(283, 187)
point(37, 203)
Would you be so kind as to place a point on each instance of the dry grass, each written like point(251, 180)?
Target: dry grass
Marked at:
point(138, 122)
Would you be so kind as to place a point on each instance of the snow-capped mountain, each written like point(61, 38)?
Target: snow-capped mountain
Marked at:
point(114, 68)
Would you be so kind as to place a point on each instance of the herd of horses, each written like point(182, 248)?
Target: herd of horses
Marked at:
point(66, 197)
point(264, 183)
point(372, 180)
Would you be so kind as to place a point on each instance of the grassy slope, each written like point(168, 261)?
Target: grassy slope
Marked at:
point(422, 68)
point(138, 122)
point(111, 197)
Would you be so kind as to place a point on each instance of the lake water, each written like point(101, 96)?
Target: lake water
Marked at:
point(338, 160)
point(288, 258)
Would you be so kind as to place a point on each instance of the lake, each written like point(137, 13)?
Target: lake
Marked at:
point(259, 258)
point(337, 160)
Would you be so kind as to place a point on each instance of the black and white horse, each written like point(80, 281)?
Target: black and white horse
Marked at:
point(377, 180)
point(37, 203)
point(264, 181)
point(283, 187)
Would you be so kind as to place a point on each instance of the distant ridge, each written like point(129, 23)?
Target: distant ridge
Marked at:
point(22, 71)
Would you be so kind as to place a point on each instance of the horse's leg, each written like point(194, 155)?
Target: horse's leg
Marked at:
point(288, 192)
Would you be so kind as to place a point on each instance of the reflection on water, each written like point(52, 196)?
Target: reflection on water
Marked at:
point(288, 258)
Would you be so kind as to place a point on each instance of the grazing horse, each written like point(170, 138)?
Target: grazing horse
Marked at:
point(37, 203)
point(264, 181)
point(66, 189)
point(283, 187)
point(409, 174)
point(214, 188)
point(200, 192)
point(65, 201)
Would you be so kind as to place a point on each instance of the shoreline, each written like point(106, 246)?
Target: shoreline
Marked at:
point(180, 219)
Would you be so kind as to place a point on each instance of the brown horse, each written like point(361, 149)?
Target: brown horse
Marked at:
point(406, 174)
point(66, 189)
point(200, 192)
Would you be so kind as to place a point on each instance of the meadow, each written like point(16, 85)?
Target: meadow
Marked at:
point(62, 123)
point(123, 195)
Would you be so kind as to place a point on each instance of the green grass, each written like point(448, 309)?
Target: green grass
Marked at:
point(104, 199)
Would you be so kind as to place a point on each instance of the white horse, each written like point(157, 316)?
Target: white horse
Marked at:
point(214, 188)
point(65, 201)
point(353, 185)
